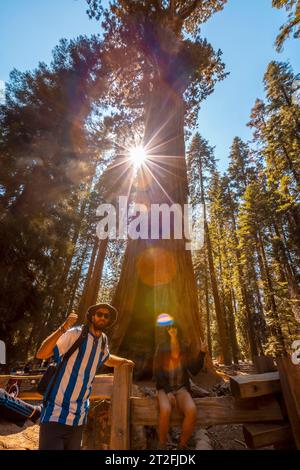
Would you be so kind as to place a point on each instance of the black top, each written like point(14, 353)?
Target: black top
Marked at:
point(173, 380)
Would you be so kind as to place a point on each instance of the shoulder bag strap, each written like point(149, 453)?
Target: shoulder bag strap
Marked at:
point(66, 356)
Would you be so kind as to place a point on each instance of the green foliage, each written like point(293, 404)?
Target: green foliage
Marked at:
point(253, 212)
point(292, 26)
point(145, 43)
point(48, 154)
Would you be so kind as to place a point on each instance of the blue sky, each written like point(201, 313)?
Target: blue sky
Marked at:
point(245, 31)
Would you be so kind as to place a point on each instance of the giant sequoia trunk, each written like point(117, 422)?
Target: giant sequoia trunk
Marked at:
point(157, 275)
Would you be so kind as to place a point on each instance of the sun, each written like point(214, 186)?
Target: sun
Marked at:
point(138, 155)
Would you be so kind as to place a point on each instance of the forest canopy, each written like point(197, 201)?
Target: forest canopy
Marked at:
point(65, 131)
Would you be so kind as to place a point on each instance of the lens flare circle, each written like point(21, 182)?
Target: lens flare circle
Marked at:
point(156, 266)
point(164, 319)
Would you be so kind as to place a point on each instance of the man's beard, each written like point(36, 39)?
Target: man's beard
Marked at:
point(97, 327)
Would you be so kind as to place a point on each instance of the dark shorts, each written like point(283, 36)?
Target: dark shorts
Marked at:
point(56, 436)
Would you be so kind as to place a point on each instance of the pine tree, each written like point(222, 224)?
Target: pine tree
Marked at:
point(201, 165)
point(47, 154)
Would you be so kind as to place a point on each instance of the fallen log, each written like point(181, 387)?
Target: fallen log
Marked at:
point(250, 386)
point(211, 411)
point(259, 435)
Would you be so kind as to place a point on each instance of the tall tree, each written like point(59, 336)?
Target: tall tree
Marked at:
point(166, 72)
point(276, 131)
point(48, 158)
point(201, 165)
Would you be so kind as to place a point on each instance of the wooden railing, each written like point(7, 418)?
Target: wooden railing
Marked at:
point(267, 404)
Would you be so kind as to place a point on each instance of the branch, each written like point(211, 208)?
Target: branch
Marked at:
point(186, 12)
point(172, 7)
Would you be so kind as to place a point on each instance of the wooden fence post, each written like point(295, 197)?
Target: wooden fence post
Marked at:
point(120, 408)
point(289, 374)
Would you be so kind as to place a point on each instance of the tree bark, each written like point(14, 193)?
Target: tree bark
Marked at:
point(157, 275)
point(91, 294)
point(269, 292)
point(218, 307)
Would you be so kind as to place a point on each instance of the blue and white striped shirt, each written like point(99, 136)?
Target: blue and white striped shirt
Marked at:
point(69, 399)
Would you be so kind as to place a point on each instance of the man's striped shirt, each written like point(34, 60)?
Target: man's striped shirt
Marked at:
point(68, 402)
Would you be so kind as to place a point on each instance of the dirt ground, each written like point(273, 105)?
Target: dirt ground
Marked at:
point(13, 437)
point(227, 437)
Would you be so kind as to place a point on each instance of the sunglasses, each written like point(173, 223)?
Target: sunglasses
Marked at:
point(102, 315)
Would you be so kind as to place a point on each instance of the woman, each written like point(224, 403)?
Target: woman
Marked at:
point(172, 367)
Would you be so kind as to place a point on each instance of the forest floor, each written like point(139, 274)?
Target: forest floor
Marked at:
point(227, 437)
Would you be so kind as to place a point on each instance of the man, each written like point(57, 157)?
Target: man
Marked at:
point(65, 412)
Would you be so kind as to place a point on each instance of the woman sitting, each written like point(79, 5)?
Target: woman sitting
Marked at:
point(172, 367)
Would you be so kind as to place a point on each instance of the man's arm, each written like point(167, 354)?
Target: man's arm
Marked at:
point(46, 349)
point(115, 361)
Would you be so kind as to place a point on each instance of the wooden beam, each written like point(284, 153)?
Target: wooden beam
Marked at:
point(249, 386)
point(102, 387)
point(264, 435)
point(290, 382)
point(27, 381)
point(211, 411)
point(120, 408)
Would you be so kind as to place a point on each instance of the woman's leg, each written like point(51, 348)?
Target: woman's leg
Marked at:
point(165, 409)
point(188, 408)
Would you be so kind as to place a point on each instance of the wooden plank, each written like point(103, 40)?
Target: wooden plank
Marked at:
point(102, 387)
point(120, 408)
point(26, 381)
point(3, 381)
point(264, 435)
point(212, 411)
point(290, 382)
point(27, 385)
point(101, 390)
point(249, 386)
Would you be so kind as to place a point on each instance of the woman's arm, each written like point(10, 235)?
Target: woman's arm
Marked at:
point(174, 343)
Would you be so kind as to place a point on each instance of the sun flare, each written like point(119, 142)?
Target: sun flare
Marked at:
point(138, 155)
